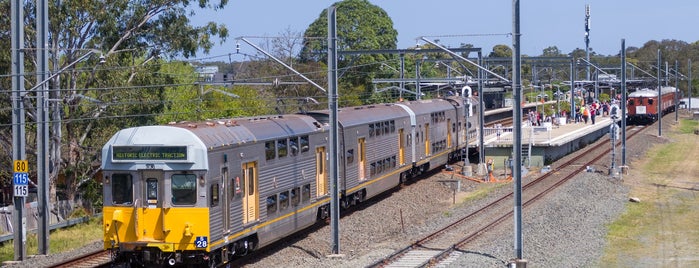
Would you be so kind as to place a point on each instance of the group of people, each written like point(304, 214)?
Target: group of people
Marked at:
point(536, 118)
point(586, 112)
point(592, 110)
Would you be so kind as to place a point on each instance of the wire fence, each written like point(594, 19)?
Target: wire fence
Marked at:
point(58, 218)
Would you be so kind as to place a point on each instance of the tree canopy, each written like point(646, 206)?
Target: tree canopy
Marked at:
point(97, 99)
point(360, 26)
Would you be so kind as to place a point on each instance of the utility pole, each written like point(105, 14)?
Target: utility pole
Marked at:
point(18, 125)
point(660, 111)
point(333, 143)
point(517, 135)
point(42, 129)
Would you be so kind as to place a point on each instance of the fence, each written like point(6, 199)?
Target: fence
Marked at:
point(31, 212)
point(530, 134)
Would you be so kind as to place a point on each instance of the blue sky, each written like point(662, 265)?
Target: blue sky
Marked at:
point(482, 23)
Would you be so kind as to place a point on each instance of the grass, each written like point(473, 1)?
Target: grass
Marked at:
point(482, 192)
point(61, 240)
point(688, 126)
point(661, 231)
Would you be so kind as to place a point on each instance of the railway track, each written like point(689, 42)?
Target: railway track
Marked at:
point(442, 246)
point(97, 258)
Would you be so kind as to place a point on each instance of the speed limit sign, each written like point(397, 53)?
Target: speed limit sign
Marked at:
point(20, 178)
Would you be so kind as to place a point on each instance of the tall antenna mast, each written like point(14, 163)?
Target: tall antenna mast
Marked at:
point(587, 39)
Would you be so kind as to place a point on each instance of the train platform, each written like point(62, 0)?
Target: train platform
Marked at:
point(548, 134)
point(546, 143)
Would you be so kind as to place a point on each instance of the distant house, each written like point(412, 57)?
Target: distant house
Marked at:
point(684, 103)
point(210, 74)
point(206, 73)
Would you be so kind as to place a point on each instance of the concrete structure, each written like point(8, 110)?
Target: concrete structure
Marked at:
point(544, 144)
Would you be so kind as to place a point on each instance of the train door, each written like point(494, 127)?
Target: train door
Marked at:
point(449, 133)
point(251, 198)
point(226, 194)
point(426, 136)
point(321, 178)
point(151, 217)
point(401, 147)
point(361, 152)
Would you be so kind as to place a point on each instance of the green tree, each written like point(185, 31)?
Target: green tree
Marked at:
point(577, 53)
point(552, 51)
point(5, 93)
point(96, 100)
point(360, 26)
point(501, 51)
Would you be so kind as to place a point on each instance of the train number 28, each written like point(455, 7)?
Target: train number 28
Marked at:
point(201, 242)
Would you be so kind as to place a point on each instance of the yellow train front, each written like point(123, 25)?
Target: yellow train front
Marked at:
point(155, 212)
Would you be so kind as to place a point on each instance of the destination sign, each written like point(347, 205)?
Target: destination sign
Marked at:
point(149, 153)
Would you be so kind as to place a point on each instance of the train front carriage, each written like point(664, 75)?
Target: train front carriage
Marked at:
point(155, 206)
point(642, 104)
point(202, 193)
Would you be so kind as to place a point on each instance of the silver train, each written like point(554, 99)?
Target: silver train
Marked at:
point(204, 192)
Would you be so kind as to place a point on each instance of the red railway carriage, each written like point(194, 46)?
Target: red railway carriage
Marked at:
point(642, 105)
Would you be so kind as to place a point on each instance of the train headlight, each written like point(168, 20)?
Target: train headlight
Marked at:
point(201, 180)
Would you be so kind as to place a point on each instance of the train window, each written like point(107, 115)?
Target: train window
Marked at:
point(184, 189)
point(410, 140)
point(306, 194)
point(304, 144)
point(386, 127)
point(122, 193)
point(238, 184)
point(350, 156)
point(293, 146)
point(371, 130)
point(393, 161)
point(152, 192)
point(151, 189)
point(650, 101)
point(392, 123)
point(379, 127)
point(213, 193)
point(631, 102)
point(295, 197)
point(387, 163)
point(283, 200)
point(281, 148)
point(271, 204)
point(269, 150)
point(251, 183)
point(372, 169)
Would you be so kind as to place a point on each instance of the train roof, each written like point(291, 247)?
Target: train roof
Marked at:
point(647, 92)
point(359, 115)
point(428, 106)
point(218, 133)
